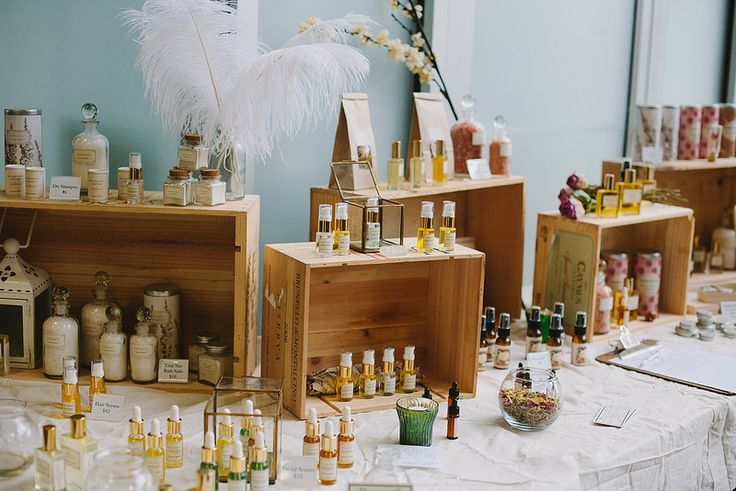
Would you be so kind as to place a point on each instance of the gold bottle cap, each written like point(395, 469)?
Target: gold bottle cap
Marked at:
point(237, 459)
point(630, 175)
point(396, 149)
point(208, 449)
point(416, 148)
point(439, 147)
point(79, 426)
point(260, 452)
point(154, 439)
point(346, 422)
point(311, 426)
point(608, 182)
point(226, 426)
point(329, 439)
point(49, 438)
point(716, 246)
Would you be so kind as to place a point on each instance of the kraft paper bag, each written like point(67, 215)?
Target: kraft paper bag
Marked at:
point(354, 130)
point(429, 124)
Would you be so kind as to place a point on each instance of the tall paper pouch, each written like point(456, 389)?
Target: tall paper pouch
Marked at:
point(429, 124)
point(354, 129)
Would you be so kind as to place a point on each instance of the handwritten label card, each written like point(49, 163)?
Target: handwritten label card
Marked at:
point(65, 188)
point(107, 407)
point(478, 169)
point(298, 471)
point(539, 359)
point(173, 371)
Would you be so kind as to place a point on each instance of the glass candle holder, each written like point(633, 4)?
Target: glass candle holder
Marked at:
point(530, 398)
point(17, 429)
point(416, 418)
point(118, 469)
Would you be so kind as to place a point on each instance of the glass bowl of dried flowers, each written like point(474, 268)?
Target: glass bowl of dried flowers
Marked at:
point(530, 398)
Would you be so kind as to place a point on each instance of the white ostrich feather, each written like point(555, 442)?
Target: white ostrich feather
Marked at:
point(202, 75)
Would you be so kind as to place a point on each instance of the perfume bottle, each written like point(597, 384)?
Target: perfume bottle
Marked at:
point(114, 345)
point(607, 202)
point(425, 234)
point(49, 463)
point(328, 456)
point(408, 374)
point(633, 299)
point(136, 437)
point(453, 409)
point(345, 379)
point(94, 317)
point(342, 232)
point(622, 308)
point(134, 186)
point(388, 375)
point(372, 229)
point(236, 477)
point(367, 383)
point(503, 342)
point(310, 443)
point(534, 331)
point(257, 427)
point(447, 229)
point(209, 462)
point(90, 148)
point(715, 263)
point(174, 440)
point(78, 449)
point(59, 333)
point(70, 400)
point(439, 163)
point(483, 348)
point(346, 439)
point(395, 166)
point(143, 349)
point(324, 238)
point(97, 381)
point(155, 452)
point(490, 313)
point(554, 341)
point(416, 165)
point(500, 149)
point(225, 445)
point(580, 341)
point(629, 194)
point(259, 471)
point(646, 179)
point(246, 426)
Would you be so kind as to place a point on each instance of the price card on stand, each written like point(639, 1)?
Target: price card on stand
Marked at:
point(478, 169)
point(173, 371)
point(65, 188)
point(298, 471)
point(107, 407)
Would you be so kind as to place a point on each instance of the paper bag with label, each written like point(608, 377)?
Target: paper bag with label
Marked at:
point(354, 130)
point(429, 124)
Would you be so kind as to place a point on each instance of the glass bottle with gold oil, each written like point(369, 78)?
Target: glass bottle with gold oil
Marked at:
point(439, 163)
point(79, 449)
point(630, 193)
point(225, 443)
point(136, 437)
point(395, 166)
point(310, 443)
point(388, 375)
point(426, 239)
point(368, 379)
point(324, 238)
point(174, 440)
point(345, 387)
point(607, 202)
point(447, 228)
point(155, 453)
point(342, 232)
point(416, 165)
point(70, 400)
point(328, 455)
point(633, 299)
point(346, 440)
point(621, 307)
point(372, 228)
point(645, 177)
point(408, 375)
point(97, 381)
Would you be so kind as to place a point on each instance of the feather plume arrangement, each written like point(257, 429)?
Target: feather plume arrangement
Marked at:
point(202, 74)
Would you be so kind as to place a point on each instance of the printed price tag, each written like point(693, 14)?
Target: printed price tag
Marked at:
point(298, 471)
point(107, 407)
point(65, 188)
point(539, 359)
point(478, 169)
point(728, 309)
point(173, 371)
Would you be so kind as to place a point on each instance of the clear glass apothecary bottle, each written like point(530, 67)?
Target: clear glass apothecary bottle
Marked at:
point(177, 188)
point(215, 363)
point(118, 469)
point(210, 189)
point(193, 154)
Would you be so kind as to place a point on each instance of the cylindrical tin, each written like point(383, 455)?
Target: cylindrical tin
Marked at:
point(617, 269)
point(15, 181)
point(670, 131)
point(123, 174)
point(689, 138)
point(23, 144)
point(727, 119)
point(708, 117)
point(648, 129)
point(163, 300)
point(97, 185)
point(35, 183)
point(648, 271)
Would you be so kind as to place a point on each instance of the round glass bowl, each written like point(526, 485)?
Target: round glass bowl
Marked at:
point(530, 398)
point(118, 469)
point(416, 417)
point(19, 435)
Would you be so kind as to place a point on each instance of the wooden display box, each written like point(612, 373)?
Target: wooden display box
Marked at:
point(210, 253)
point(568, 251)
point(489, 218)
point(315, 308)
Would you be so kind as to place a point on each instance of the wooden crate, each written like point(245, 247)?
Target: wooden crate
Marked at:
point(567, 252)
point(489, 216)
point(211, 253)
point(315, 308)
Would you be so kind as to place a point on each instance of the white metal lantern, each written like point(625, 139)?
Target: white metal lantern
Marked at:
point(25, 302)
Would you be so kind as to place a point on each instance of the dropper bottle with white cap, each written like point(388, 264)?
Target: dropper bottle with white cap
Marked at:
point(425, 233)
point(155, 452)
point(408, 376)
point(310, 444)
point(209, 457)
point(225, 444)
point(324, 237)
point(174, 439)
point(135, 179)
point(237, 477)
point(346, 439)
point(388, 375)
point(342, 232)
point(345, 378)
point(136, 437)
point(367, 384)
point(328, 455)
point(447, 228)
point(372, 230)
point(246, 425)
point(257, 426)
point(259, 469)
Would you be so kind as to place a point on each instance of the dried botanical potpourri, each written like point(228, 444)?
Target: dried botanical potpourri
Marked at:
point(529, 407)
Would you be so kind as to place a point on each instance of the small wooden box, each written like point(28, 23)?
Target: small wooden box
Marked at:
point(568, 251)
point(315, 308)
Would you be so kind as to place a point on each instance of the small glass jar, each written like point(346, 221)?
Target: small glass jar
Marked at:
point(210, 188)
point(198, 348)
point(17, 429)
point(177, 188)
point(118, 469)
point(216, 362)
point(530, 398)
point(193, 155)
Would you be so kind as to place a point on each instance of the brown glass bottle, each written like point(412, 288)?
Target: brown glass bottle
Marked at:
point(503, 342)
point(453, 411)
point(554, 341)
point(534, 331)
point(490, 313)
point(483, 348)
point(580, 340)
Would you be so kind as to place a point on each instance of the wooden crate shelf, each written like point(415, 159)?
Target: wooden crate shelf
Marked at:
point(490, 213)
point(314, 308)
point(567, 253)
point(210, 253)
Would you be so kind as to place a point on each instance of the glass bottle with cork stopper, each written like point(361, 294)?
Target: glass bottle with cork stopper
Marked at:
point(416, 165)
point(215, 363)
point(425, 233)
point(447, 228)
point(210, 189)
point(579, 351)
point(503, 342)
point(439, 163)
point(143, 349)
point(345, 388)
point(114, 345)
point(90, 149)
point(94, 317)
point(59, 335)
point(395, 167)
point(629, 194)
point(408, 375)
point(193, 154)
point(177, 188)
point(555, 340)
point(607, 202)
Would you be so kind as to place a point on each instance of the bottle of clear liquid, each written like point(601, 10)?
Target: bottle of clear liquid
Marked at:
point(94, 318)
point(60, 334)
point(134, 185)
point(90, 148)
point(395, 167)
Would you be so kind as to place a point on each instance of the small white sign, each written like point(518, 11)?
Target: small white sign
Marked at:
point(728, 309)
point(298, 471)
point(65, 188)
point(540, 359)
point(379, 487)
point(613, 416)
point(478, 169)
point(107, 407)
point(173, 371)
point(416, 456)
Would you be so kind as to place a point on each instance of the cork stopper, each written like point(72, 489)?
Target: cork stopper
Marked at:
point(178, 173)
point(207, 172)
point(193, 137)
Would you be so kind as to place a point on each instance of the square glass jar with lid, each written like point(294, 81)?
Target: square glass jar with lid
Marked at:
point(245, 398)
point(215, 363)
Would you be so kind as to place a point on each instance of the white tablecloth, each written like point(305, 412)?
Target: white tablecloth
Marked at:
point(679, 438)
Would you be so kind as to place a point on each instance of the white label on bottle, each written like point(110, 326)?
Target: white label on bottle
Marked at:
point(372, 235)
point(449, 244)
point(51, 471)
point(605, 304)
point(346, 391)
point(410, 382)
point(429, 241)
point(534, 344)
point(492, 351)
point(259, 478)
point(69, 408)
point(633, 302)
point(345, 451)
point(343, 243)
point(479, 137)
point(84, 156)
point(133, 187)
point(110, 348)
point(631, 196)
point(482, 356)
point(699, 255)
point(555, 354)
point(328, 468)
point(648, 284)
point(137, 448)
point(238, 485)
point(15, 183)
point(503, 356)
point(174, 193)
point(310, 449)
point(389, 384)
point(155, 464)
point(72, 458)
point(141, 349)
point(91, 328)
point(324, 243)
point(226, 451)
point(187, 158)
point(53, 353)
point(174, 453)
point(610, 201)
point(369, 387)
point(579, 354)
point(17, 137)
point(505, 149)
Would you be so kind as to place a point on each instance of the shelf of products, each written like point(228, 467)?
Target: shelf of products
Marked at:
point(568, 252)
point(489, 218)
point(210, 253)
point(699, 280)
point(315, 308)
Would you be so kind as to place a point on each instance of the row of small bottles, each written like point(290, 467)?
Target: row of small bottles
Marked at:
point(329, 450)
point(624, 197)
point(417, 176)
point(368, 384)
point(614, 308)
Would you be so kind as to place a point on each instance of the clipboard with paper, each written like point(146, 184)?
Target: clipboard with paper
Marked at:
point(681, 364)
